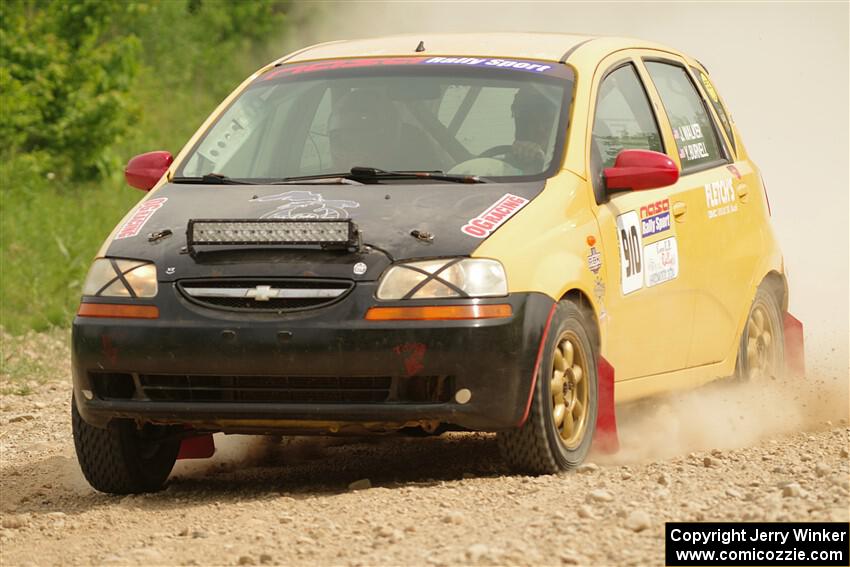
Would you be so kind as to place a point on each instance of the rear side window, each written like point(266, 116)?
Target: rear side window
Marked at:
point(693, 129)
point(624, 120)
point(717, 104)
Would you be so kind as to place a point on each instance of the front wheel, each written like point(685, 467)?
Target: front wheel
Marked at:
point(123, 459)
point(562, 419)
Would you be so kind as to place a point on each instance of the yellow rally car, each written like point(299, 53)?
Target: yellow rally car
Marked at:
point(501, 232)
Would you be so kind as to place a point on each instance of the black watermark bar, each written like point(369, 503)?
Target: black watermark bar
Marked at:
point(757, 543)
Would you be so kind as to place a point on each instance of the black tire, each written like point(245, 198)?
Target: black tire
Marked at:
point(747, 366)
point(537, 446)
point(123, 459)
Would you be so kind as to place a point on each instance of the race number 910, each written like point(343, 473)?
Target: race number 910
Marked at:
point(631, 250)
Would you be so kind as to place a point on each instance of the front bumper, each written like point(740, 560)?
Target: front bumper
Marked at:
point(492, 358)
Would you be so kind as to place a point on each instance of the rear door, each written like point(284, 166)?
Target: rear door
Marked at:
point(726, 245)
point(649, 304)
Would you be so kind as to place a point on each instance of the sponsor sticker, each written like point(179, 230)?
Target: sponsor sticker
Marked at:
point(490, 62)
point(594, 260)
point(301, 68)
point(655, 217)
point(306, 205)
point(734, 171)
point(631, 249)
point(142, 215)
point(484, 224)
point(661, 261)
point(709, 88)
point(487, 62)
point(720, 198)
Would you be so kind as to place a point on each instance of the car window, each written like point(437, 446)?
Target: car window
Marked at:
point(623, 120)
point(500, 119)
point(715, 101)
point(693, 129)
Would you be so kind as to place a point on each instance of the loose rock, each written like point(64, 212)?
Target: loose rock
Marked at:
point(638, 520)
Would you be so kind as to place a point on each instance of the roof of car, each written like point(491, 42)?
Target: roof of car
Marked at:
point(546, 46)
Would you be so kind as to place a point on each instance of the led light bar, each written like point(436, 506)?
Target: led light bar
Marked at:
point(277, 232)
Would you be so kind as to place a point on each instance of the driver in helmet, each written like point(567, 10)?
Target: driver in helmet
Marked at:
point(363, 130)
point(534, 117)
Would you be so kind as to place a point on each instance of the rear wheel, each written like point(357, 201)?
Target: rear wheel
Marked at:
point(562, 419)
point(761, 355)
point(123, 459)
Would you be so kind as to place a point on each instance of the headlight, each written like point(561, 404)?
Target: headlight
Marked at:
point(448, 277)
point(109, 277)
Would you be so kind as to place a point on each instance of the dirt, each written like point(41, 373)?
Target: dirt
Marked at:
point(719, 454)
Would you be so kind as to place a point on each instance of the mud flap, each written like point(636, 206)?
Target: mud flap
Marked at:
point(197, 447)
point(795, 355)
point(605, 439)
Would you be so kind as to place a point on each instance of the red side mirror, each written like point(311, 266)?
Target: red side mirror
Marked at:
point(143, 171)
point(641, 169)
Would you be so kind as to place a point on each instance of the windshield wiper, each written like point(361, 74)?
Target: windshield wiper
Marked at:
point(359, 174)
point(212, 179)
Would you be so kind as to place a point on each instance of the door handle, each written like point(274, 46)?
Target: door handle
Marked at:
point(679, 209)
point(742, 190)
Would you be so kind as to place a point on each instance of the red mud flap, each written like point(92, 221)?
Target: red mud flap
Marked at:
point(198, 447)
point(795, 355)
point(605, 439)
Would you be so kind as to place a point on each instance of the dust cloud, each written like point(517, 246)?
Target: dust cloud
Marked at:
point(727, 414)
point(782, 70)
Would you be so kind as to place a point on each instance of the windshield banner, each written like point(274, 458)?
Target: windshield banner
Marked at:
point(536, 67)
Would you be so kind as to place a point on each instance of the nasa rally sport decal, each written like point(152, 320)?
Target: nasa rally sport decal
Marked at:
point(655, 218)
point(631, 250)
point(484, 224)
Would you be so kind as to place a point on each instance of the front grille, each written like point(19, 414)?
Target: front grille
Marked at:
point(280, 389)
point(264, 295)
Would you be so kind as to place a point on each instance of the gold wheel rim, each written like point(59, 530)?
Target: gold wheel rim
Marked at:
point(761, 345)
point(569, 389)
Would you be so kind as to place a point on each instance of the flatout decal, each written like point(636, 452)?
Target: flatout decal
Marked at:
point(484, 224)
point(306, 205)
point(142, 215)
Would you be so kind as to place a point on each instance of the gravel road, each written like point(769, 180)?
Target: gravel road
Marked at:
point(720, 454)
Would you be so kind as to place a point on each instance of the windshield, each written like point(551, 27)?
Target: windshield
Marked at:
point(495, 118)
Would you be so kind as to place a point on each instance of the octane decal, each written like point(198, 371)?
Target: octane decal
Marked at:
point(631, 251)
point(484, 224)
point(661, 260)
point(488, 62)
point(720, 198)
point(140, 217)
point(306, 205)
point(655, 218)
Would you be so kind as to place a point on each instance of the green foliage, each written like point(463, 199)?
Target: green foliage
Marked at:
point(84, 86)
point(66, 80)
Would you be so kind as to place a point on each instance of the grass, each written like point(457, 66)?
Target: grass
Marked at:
point(50, 233)
point(32, 359)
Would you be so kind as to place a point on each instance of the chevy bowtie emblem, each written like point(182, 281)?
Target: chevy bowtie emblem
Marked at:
point(261, 293)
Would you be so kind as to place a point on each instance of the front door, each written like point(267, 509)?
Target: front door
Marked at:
point(650, 305)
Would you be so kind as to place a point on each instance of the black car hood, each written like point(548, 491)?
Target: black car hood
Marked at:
point(385, 215)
